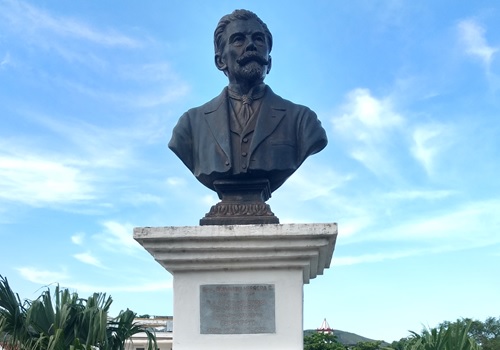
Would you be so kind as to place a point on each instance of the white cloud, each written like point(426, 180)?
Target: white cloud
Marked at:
point(36, 181)
point(78, 238)
point(355, 225)
point(174, 181)
point(33, 173)
point(373, 258)
point(472, 36)
point(469, 225)
point(168, 95)
point(168, 87)
point(118, 237)
point(161, 94)
point(143, 198)
point(314, 181)
point(476, 222)
point(428, 142)
point(103, 147)
point(6, 60)
point(366, 117)
point(399, 254)
point(209, 199)
point(39, 276)
point(45, 277)
point(88, 258)
point(420, 194)
point(40, 25)
point(366, 125)
point(75, 41)
point(131, 288)
point(148, 72)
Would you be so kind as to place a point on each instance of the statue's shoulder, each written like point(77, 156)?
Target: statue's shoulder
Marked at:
point(209, 106)
point(280, 102)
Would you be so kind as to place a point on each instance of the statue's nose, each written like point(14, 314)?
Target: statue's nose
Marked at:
point(251, 46)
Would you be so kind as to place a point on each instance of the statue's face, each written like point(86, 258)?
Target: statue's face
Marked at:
point(246, 52)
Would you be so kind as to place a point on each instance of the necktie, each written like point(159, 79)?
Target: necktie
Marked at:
point(246, 110)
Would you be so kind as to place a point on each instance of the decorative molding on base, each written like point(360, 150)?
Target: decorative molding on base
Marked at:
point(242, 203)
point(308, 247)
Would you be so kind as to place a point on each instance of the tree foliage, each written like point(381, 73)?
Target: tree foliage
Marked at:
point(447, 336)
point(369, 345)
point(452, 337)
point(64, 321)
point(486, 334)
point(322, 341)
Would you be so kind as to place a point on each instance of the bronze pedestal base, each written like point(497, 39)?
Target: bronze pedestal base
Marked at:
point(242, 203)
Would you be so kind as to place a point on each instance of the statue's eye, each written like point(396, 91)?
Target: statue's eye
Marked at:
point(238, 40)
point(260, 39)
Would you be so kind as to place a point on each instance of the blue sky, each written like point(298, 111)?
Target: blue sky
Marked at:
point(408, 92)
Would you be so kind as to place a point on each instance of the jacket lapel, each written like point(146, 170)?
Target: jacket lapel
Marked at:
point(271, 113)
point(217, 117)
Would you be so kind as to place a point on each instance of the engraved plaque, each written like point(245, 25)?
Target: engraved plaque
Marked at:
point(237, 309)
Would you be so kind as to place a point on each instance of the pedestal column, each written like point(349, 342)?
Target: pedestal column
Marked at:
point(240, 286)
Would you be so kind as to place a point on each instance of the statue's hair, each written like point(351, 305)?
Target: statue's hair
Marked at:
point(235, 15)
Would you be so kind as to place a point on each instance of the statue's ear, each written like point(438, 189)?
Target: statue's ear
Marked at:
point(269, 65)
point(219, 63)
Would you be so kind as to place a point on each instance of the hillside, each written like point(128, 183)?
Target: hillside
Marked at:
point(345, 338)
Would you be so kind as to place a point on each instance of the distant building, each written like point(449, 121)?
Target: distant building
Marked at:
point(324, 328)
point(163, 329)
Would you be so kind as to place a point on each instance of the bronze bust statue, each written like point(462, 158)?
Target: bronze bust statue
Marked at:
point(247, 141)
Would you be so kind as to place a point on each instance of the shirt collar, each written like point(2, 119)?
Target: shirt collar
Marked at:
point(255, 93)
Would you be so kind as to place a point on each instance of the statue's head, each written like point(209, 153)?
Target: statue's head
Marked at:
point(242, 45)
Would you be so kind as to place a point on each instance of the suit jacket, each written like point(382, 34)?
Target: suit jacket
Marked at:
point(285, 135)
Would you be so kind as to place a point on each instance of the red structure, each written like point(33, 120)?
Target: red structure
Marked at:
point(324, 328)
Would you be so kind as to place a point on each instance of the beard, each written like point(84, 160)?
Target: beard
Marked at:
point(252, 71)
point(251, 66)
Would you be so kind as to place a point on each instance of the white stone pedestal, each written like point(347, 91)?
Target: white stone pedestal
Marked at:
point(240, 287)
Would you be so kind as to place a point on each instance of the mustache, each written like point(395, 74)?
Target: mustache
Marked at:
point(252, 56)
